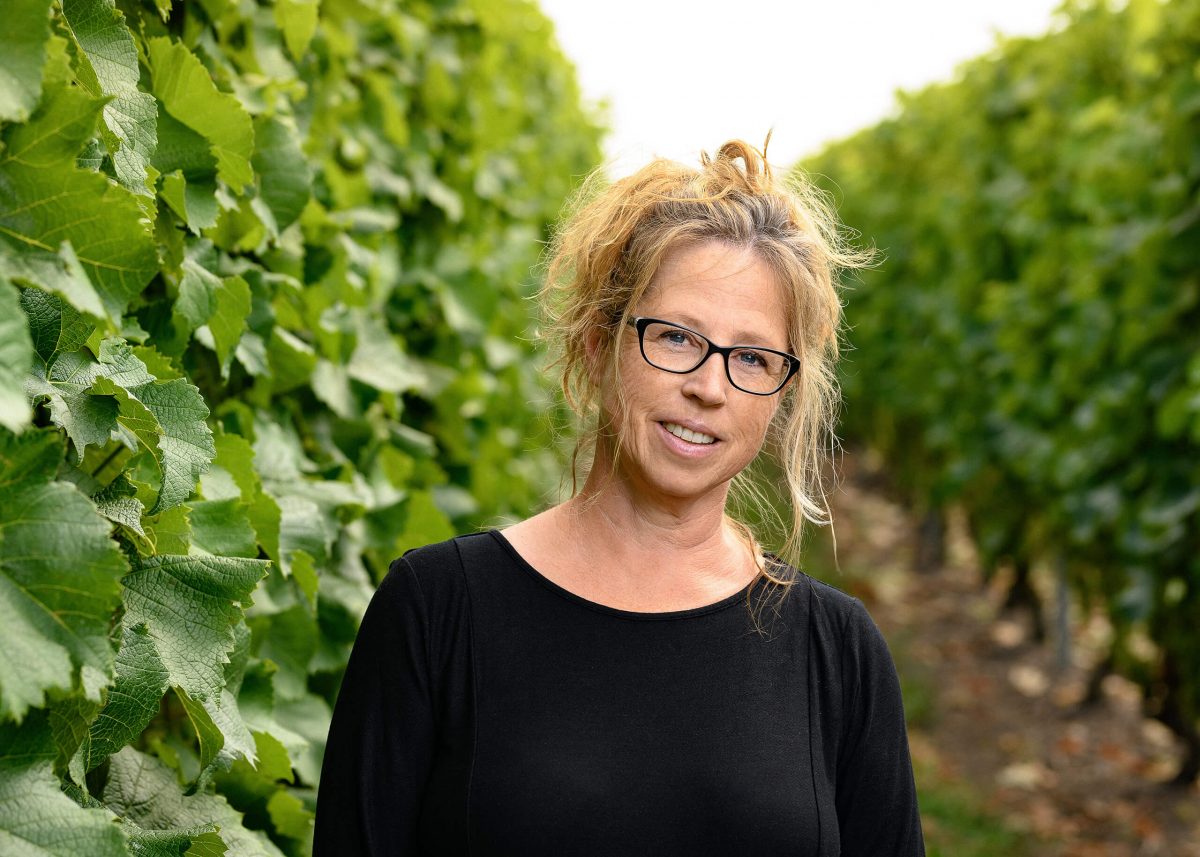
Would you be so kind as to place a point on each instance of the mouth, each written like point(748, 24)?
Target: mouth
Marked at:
point(689, 435)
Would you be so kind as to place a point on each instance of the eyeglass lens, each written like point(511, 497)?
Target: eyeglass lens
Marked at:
point(679, 350)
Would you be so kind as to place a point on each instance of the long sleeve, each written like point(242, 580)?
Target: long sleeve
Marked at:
point(876, 796)
point(381, 738)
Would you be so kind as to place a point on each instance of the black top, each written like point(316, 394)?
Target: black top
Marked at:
point(487, 710)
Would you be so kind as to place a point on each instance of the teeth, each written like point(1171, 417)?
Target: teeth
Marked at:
point(688, 434)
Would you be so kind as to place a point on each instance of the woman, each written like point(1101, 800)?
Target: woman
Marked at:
point(596, 680)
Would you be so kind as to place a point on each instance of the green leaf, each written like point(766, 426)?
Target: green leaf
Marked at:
point(60, 273)
point(283, 170)
point(46, 200)
point(228, 321)
point(109, 67)
point(170, 531)
point(221, 304)
point(56, 327)
point(273, 762)
point(86, 418)
point(70, 719)
point(143, 790)
point(221, 527)
point(59, 578)
point(22, 55)
point(223, 736)
point(424, 523)
point(298, 20)
point(26, 743)
point(288, 638)
point(289, 815)
point(38, 820)
point(379, 361)
point(133, 700)
point(16, 358)
point(118, 502)
point(202, 840)
point(185, 88)
point(232, 475)
point(168, 417)
point(197, 290)
point(190, 605)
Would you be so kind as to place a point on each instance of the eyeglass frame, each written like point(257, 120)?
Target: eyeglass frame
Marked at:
point(640, 323)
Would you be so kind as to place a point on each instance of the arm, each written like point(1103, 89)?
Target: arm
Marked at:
point(876, 795)
point(381, 737)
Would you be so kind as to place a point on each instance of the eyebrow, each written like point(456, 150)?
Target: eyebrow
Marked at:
point(742, 337)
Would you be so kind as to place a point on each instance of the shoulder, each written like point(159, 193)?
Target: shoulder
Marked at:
point(444, 571)
point(836, 616)
point(845, 637)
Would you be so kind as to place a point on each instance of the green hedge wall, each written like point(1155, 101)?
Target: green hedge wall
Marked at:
point(262, 317)
point(1031, 347)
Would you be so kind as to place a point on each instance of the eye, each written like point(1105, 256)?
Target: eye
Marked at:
point(676, 338)
point(748, 359)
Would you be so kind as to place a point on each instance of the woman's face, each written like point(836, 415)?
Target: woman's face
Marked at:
point(729, 295)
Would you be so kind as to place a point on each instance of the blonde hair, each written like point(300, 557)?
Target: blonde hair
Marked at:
point(606, 252)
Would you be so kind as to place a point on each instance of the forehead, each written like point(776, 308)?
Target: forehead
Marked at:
point(726, 292)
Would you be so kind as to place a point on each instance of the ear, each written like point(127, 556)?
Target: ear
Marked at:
point(593, 350)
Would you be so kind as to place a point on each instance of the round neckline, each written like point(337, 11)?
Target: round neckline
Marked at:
point(727, 601)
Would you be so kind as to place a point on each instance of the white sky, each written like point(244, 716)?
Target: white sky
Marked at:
point(685, 76)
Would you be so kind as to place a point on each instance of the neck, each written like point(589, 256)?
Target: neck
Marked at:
point(655, 544)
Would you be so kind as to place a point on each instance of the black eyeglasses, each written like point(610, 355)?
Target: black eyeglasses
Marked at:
point(678, 349)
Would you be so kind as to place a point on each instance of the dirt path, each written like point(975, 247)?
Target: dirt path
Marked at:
point(992, 708)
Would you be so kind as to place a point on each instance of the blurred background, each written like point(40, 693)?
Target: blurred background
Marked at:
point(265, 271)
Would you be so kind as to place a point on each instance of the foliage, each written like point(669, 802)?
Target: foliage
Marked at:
point(262, 270)
point(1029, 349)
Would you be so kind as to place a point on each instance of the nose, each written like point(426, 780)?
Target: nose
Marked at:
point(707, 382)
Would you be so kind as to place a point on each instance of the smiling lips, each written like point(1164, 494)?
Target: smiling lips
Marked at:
point(687, 434)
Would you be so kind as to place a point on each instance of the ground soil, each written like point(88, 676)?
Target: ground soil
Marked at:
point(995, 711)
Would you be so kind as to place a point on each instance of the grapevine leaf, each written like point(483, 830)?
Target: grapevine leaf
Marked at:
point(126, 511)
point(209, 736)
point(168, 417)
point(144, 790)
point(22, 54)
point(60, 273)
point(232, 475)
point(197, 289)
point(298, 20)
point(189, 172)
point(221, 304)
point(85, 417)
point(37, 819)
point(134, 698)
point(309, 718)
point(16, 357)
point(379, 361)
point(231, 305)
point(56, 327)
point(170, 531)
point(190, 605)
point(187, 91)
point(280, 163)
point(221, 527)
point(46, 200)
point(289, 815)
point(69, 721)
point(223, 736)
point(273, 762)
point(59, 578)
point(202, 840)
point(26, 743)
point(288, 638)
point(109, 64)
